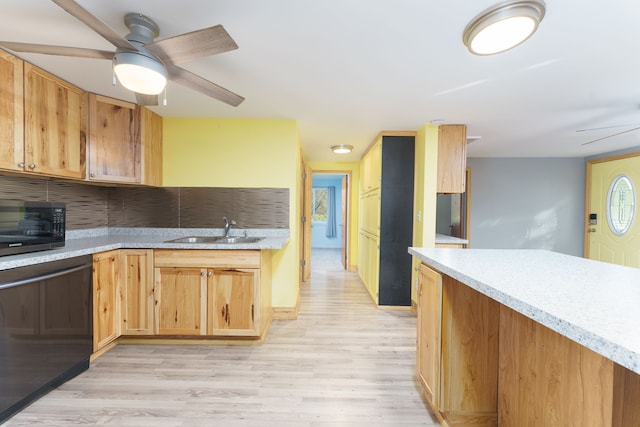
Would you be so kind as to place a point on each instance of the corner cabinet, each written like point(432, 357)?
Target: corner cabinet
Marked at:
point(114, 134)
point(213, 293)
point(386, 218)
point(106, 326)
point(136, 292)
point(55, 125)
point(11, 113)
point(151, 146)
point(457, 351)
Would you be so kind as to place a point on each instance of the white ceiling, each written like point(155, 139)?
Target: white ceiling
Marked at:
point(346, 69)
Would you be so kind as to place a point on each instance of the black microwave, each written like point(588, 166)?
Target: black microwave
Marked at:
point(27, 226)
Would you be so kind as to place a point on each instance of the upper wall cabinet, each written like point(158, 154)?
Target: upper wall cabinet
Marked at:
point(151, 144)
point(55, 125)
point(452, 158)
point(114, 135)
point(11, 113)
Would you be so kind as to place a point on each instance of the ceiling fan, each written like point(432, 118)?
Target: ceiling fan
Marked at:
point(632, 129)
point(137, 51)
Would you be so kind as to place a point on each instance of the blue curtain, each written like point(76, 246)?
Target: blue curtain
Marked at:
point(331, 211)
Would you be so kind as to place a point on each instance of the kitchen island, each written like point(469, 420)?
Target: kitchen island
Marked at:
point(529, 337)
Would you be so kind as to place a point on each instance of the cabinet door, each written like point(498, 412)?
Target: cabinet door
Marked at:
point(11, 112)
point(55, 125)
point(114, 133)
point(105, 306)
point(429, 332)
point(452, 158)
point(181, 297)
point(151, 145)
point(232, 302)
point(136, 292)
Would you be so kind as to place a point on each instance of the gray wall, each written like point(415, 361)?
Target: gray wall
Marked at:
point(528, 203)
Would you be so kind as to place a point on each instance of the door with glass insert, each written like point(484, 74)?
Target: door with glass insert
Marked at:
point(613, 223)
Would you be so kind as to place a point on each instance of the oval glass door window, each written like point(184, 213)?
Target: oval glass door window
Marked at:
point(621, 205)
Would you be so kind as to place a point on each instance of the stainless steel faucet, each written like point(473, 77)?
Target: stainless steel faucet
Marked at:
point(227, 225)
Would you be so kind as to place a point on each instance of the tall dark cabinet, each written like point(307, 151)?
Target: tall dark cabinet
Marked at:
point(386, 213)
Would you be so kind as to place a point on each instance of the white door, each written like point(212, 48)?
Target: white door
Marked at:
point(613, 223)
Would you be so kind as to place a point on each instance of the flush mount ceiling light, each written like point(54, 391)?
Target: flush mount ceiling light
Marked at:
point(139, 72)
point(342, 149)
point(503, 26)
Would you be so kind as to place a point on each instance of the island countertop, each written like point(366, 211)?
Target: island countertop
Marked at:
point(593, 303)
point(86, 242)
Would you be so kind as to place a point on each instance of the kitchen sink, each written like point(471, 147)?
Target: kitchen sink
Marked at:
point(215, 239)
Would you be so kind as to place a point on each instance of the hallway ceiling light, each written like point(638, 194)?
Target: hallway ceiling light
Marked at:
point(503, 26)
point(342, 149)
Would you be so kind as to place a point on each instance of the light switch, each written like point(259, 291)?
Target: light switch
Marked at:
point(419, 216)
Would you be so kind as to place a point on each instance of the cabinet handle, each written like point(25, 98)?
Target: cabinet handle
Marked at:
point(92, 175)
point(202, 273)
point(32, 166)
point(209, 274)
point(21, 165)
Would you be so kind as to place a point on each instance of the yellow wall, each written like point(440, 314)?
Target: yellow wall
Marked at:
point(354, 168)
point(426, 177)
point(241, 153)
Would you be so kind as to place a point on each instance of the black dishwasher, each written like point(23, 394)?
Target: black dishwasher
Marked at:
point(46, 333)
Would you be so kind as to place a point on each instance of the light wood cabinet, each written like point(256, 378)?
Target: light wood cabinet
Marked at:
point(106, 325)
point(151, 145)
point(11, 112)
point(55, 125)
point(429, 332)
point(181, 298)
point(114, 140)
point(231, 308)
point(452, 158)
point(457, 353)
point(212, 292)
point(136, 292)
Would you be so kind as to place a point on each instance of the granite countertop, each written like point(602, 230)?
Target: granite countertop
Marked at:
point(450, 240)
point(593, 303)
point(86, 242)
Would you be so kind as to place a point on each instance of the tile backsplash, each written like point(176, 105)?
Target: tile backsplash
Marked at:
point(92, 206)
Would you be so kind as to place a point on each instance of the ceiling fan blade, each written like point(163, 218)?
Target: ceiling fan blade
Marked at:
point(73, 8)
point(604, 127)
point(148, 100)
point(188, 46)
point(612, 135)
point(57, 50)
point(193, 81)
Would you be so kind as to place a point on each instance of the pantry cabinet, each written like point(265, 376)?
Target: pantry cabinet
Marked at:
point(114, 140)
point(11, 112)
point(386, 219)
point(106, 325)
point(55, 125)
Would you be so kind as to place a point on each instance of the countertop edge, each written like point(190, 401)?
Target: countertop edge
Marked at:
point(605, 347)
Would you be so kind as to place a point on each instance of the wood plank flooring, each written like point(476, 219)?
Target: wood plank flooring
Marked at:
point(341, 363)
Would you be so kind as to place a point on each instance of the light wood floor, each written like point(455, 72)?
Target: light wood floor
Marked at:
point(342, 363)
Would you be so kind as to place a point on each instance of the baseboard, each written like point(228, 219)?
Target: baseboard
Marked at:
point(287, 313)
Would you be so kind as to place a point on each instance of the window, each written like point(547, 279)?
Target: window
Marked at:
point(319, 213)
point(621, 202)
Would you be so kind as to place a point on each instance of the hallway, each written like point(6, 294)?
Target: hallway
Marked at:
point(342, 363)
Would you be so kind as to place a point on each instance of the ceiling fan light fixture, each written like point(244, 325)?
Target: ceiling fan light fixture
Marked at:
point(342, 148)
point(139, 72)
point(503, 26)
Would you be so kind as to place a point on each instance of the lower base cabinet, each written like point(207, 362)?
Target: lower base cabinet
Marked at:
point(481, 363)
point(106, 325)
point(136, 292)
point(220, 293)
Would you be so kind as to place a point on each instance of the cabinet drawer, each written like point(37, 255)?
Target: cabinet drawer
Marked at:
point(207, 258)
